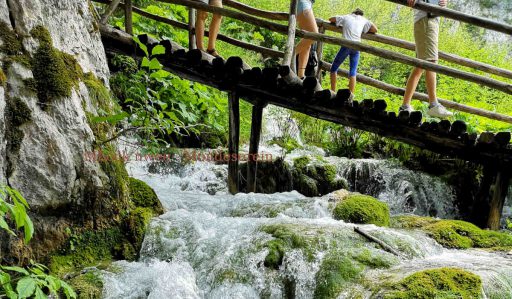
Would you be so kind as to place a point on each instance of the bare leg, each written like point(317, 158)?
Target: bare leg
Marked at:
point(200, 24)
point(306, 21)
point(430, 80)
point(412, 83)
point(334, 77)
point(214, 26)
point(352, 84)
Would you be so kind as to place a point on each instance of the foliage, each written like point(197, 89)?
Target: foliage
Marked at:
point(34, 280)
point(362, 209)
point(437, 283)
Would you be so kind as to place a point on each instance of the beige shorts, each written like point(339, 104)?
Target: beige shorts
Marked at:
point(426, 36)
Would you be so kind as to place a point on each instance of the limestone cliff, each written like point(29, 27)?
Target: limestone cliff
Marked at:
point(52, 75)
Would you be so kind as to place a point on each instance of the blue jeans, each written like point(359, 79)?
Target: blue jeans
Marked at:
point(340, 58)
point(303, 5)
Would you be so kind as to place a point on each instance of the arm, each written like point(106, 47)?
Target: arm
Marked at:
point(411, 3)
point(373, 29)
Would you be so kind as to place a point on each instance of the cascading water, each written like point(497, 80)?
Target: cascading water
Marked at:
point(210, 244)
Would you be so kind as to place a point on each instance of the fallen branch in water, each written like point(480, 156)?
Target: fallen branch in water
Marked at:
point(373, 239)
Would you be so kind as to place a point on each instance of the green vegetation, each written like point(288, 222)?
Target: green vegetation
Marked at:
point(143, 196)
point(456, 233)
point(3, 79)
point(32, 280)
point(11, 43)
point(437, 283)
point(362, 209)
point(335, 272)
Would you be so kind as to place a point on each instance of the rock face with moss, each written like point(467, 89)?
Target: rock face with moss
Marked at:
point(362, 209)
point(53, 69)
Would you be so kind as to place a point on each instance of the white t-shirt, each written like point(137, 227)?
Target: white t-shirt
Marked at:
point(353, 26)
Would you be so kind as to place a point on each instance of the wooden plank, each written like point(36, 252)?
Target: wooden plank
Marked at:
point(290, 42)
point(234, 138)
point(459, 16)
point(499, 195)
point(320, 53)
point(192, 29)
point(128, 16)
point(252, 164)
point(110, 9)
point(495, 84)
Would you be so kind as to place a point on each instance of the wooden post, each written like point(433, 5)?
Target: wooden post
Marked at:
point(110, 9)
point(498, 200)
point(252, 164)
point(290, 43)
point(234, 138)
point(128, 16)
point(320, 53)
point(192, 29)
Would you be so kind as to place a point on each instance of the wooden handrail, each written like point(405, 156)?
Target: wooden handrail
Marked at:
point(282, 16)
point(283, 29)
point(459, 16)
point(292, 26)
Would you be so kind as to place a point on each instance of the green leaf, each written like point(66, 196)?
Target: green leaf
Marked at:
point(145, 62)
point(26, 287)
point(141, 45)
point(161, 74)
point(40, 294)
point(68, 291)
point(155, 64)
point(158, 50)
point(16, 269)
point(28, 229)
point(5, 226)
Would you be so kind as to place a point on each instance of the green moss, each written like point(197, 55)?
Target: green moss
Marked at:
point(335, 272)
point(437, 283)
point(30, 84)
point(461, 235)
point(306, 186)
point(144, 196)
point(366, 258)
point(23, 59)
point(301, 162)
point(11, 43)
point(125, 64)
point(362, 209)
point(136, 223)
point(118, 181)
point(3, 79)
point(17, 113)
point(55, 72)
point(88, 285)
point(411, 221)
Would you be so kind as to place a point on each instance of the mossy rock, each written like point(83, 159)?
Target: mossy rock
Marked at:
point(411, 221)
point(123, 63)
point(306, 185)
point(136, 223)
point(437, 283)
point(362, 209)
point(461, 235)
point(11, 42)
point(88, 285)
point(144, 196)
point(335, 272)
point(3, 79)
point(301, 162)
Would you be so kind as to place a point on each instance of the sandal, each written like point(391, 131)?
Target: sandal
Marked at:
point(213, 52)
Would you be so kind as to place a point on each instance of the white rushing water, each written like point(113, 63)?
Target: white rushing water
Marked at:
point(210, 244)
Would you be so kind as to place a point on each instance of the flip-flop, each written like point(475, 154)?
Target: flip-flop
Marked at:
point(213, 52)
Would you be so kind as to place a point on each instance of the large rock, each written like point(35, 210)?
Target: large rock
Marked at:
point(43, 145)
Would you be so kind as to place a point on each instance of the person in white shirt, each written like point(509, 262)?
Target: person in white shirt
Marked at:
point(354, 25)
point(426, 37)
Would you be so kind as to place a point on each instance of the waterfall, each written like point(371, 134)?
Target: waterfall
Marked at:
point(210, 244)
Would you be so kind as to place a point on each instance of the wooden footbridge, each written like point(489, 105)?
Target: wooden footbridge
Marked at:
point(281, 87)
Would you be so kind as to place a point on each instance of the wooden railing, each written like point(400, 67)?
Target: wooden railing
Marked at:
point(249, 17)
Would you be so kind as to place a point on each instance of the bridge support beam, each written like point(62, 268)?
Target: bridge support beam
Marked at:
point(233, 144)
point(252, 163)
point(499, 193)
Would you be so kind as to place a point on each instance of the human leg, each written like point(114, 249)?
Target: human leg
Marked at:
point(214, 28)
point(200, 24)
point(306, 21)
point(354, 62)
point(338, 60)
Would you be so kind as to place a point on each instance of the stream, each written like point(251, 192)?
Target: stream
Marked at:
point(209, 244)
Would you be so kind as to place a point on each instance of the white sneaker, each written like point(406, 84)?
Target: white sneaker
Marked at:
point(439, 111)
point(351, 97)
point(407, 108)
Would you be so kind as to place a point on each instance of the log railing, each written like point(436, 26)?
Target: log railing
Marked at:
point(337, 41)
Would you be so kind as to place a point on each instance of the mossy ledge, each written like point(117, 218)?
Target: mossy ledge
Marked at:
point(436, 283)
point(17, 114)
point(362, 209)
point(456, 233)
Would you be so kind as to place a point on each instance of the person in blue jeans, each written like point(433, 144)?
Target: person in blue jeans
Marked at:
point(354, 25)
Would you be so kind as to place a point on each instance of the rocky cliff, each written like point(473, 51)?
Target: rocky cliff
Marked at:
point(53, 72)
